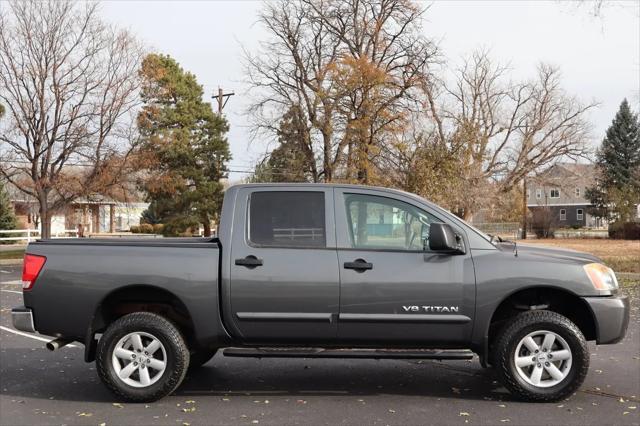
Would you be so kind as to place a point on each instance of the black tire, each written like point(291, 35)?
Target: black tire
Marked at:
point(201, 357)
point(517, 329)
point(177, 356)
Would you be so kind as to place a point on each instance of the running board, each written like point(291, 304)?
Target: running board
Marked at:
point(348, 353)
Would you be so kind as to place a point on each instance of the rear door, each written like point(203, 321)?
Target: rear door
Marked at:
point(394, 290)
point(284, 271)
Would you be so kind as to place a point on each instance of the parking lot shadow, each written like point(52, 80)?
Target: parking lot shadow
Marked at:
point(63, 375)
point(306, 377)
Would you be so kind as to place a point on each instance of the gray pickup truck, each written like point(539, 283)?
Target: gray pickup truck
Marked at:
point(307, 270)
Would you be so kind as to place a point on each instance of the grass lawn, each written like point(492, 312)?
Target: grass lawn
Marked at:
point(621, 255)
point(12, 254)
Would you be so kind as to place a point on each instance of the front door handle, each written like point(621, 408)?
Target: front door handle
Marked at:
point(359, 265)
point(250, 261)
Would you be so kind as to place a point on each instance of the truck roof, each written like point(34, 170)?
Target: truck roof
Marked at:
point(324, 185)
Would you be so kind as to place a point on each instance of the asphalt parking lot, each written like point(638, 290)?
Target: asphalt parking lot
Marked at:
point(42, 387)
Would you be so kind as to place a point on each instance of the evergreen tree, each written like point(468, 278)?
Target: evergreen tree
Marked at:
point(617, 189)
point(7, 216)
point(292, 160)
point(185, 144)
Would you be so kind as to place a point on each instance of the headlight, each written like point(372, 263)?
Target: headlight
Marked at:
point(602, 277)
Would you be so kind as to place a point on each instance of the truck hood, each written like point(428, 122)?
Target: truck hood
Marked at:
point(550, 252)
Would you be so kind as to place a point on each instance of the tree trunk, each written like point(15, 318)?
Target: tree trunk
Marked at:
point(361, 233)
point(112, 218)
point(45, 220)
point(207, 228)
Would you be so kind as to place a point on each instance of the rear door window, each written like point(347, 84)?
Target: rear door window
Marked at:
point(287, 219)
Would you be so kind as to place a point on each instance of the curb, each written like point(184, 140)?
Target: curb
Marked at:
point(11, 261)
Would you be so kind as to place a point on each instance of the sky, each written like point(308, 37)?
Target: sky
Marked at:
point(599, 56)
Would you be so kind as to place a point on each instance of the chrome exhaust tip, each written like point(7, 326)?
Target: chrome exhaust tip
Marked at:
point(57, 343)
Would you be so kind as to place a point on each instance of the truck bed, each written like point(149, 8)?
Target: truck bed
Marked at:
point(81, 276)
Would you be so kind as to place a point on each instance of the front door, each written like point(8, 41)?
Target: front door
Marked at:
point(284, 269)
point(393, 290)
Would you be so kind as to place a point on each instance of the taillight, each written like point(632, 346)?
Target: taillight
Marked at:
point(30, 269)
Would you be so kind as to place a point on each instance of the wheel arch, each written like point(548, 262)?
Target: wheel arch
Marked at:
point(138, 298)
point(534, 297)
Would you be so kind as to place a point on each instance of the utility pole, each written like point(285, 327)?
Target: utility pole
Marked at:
point(524, 208)
point(222, 99)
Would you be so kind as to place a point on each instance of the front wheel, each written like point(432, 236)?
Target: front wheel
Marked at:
point(142, 357)
point(541, 356)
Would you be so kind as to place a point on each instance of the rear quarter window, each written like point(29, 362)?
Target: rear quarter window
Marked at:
point(287, 219)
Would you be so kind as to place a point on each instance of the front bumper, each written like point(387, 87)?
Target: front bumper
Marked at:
point(611, 315)
point(23, 319)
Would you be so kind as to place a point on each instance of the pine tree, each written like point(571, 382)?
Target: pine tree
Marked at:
point(292, 160)
point(617, 189)
point(185, 144)
point(7, 216)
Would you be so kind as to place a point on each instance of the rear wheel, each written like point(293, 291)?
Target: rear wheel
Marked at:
point(541, 356)
point(142, 357)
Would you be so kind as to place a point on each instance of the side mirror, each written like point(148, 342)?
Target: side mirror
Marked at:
point(442, 239)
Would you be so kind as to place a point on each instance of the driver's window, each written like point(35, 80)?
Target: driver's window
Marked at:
point(385, 223)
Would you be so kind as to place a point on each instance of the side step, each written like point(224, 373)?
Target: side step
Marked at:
point(348, 353)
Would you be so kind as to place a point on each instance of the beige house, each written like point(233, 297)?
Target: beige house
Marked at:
point(99, 214)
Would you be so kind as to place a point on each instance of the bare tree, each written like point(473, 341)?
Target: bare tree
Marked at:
point(69, 83)
point(502, 131)
point(353, 67)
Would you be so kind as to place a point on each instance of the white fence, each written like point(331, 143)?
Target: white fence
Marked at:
point(29, 235)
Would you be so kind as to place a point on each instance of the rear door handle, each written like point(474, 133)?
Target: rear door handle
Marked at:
point(250, 261)
point(359, 265)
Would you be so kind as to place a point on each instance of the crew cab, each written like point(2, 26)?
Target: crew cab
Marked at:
point(309, 270)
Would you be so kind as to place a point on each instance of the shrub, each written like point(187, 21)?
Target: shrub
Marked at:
point(146, 228)
point(543, 223)
point(134, 229)
point(624, 230)
point(158, 228)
